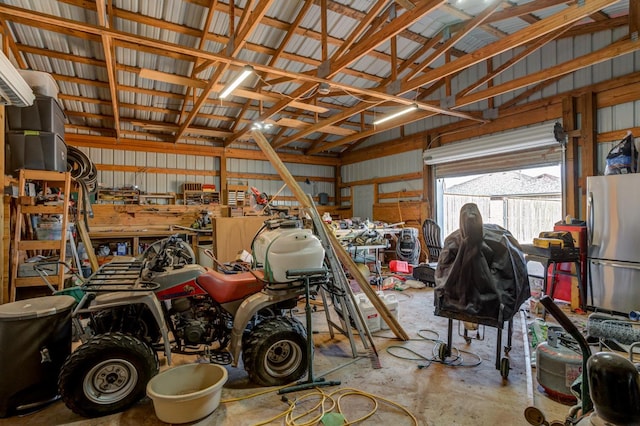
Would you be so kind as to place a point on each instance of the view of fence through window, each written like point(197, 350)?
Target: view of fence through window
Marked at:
point(526, 202)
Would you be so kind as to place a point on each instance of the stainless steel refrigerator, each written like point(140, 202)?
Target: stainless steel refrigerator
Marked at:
point(613, 229)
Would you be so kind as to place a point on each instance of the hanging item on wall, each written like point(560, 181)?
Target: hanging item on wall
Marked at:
point(623, 158)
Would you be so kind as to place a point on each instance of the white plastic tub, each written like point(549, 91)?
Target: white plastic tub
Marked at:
point(187, 393)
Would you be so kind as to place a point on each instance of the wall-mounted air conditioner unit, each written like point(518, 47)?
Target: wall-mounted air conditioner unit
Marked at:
point(13, 89)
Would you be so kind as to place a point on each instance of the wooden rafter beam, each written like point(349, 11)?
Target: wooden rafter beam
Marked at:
point(362, 26)
point(298, 124)
point(611, 51)
point(39, 18)
point(465, 17)
point(359, 50)
point(395, 27)
point(232, 49)
point(529, 92)
point(157, 93)
point(110, 63)
point(409, 118)
point(462, 32)
point(514, 60)
point(355, 53)
point(310, 80)
point(525, 9)
point(568, 16)
point(8, 40)
point(539, 29)
point(634, 19)
point(201, 43)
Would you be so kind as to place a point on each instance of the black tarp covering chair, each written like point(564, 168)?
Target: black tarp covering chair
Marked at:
point(481, 278)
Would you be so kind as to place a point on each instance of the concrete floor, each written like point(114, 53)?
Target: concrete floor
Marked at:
point(434, 393)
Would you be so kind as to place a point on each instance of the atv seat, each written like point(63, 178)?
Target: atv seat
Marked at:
point(229, 287)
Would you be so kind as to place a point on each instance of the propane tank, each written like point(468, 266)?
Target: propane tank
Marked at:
point(557, 367)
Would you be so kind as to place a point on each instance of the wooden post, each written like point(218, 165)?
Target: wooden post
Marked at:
point(223, 179)
point(344, 257)
point(88, 246)
point(3, 256)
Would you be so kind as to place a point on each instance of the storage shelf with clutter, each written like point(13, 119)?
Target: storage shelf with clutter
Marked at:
point(199, 193)
point(125, 195)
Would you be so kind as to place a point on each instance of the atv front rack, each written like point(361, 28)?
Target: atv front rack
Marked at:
point(118, 276)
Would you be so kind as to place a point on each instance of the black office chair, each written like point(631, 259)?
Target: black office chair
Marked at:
point(432, 239)
point(425, 272)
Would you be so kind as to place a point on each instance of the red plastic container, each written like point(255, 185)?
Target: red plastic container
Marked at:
point(399, 266)
point(563, 282)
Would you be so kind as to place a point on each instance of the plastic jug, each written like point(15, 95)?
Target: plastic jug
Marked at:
point(391, 302)
point(369, 313)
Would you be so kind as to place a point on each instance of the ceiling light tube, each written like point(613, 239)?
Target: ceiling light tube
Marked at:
point(247, 70)
point(396, 114)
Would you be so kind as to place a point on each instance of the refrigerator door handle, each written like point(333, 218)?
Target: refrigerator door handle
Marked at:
point(590, 215)
point(615, 264)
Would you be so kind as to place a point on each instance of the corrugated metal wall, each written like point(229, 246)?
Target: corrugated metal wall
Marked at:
point(172, 182)
point(152, 182)
point(271, 187)
point(398, 164)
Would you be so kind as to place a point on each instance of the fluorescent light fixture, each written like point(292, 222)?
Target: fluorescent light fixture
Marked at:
point(258, 125)
point(396, 114)
point(247, 70)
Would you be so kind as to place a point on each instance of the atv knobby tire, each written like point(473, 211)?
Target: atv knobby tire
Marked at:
point(107, 374)
point(128, 320)
point(275, 352)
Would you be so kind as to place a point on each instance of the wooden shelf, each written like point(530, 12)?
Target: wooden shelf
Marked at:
point(137, 236)
point(118, 196)
point(170, 197)
point(200, 197)
point(237, 195)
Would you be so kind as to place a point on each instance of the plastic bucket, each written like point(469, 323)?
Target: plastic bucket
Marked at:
point(187, 393)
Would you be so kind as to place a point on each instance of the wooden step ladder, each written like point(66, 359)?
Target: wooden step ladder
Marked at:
point(22, 242)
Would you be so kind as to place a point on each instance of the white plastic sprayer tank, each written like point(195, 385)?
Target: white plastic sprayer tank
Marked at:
point(282, 249)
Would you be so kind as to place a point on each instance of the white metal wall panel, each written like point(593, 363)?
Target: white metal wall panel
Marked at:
point(363, 201)
point(602, 71)
point(623, 64)
point(564, 52)
point(406, 162)
point(406, 185)
point(151, 182)
point(582, 46)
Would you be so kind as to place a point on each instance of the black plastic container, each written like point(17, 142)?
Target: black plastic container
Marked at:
point(35, 150)
point(44, 115)
point(35, 336)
